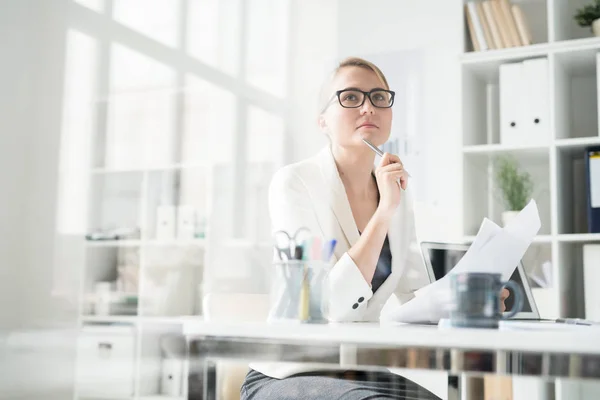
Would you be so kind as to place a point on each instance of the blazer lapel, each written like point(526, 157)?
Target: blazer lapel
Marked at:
point(339, 199)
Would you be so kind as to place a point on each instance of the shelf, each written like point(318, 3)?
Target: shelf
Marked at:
point(575, 45)
point(500, 56)
point(132, 319)
point(156, 168)
point(502, 148)
point(576, 56)
point(535, 50)
point(129, 319)
point(152, 242)
point(526, 153)
point(579, 237)
point(114, 243)
point(175, 242)
point(537, 239)
point(577, 145)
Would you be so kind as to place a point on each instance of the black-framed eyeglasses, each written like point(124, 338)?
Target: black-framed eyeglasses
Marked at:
point(354, 98)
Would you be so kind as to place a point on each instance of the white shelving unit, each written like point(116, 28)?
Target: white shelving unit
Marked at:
point(166, 273)
point(168, 276)
point(573, 87)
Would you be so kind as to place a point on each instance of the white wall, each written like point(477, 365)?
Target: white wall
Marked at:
point(436, 28)
point(31, 39)
point(14, 102)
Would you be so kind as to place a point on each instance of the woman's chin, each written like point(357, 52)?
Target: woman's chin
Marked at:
point(373, 136)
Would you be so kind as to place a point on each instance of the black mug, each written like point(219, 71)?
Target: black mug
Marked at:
point(476, 300)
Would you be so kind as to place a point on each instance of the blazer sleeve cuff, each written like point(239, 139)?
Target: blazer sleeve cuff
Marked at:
point(349, 292)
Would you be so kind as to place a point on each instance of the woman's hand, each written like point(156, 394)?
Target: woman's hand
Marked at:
point(388, 173)
point(503, 296)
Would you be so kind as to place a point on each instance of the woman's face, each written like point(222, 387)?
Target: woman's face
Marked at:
point(347, 126)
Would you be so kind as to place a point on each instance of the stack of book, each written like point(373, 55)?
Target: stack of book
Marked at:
point(496, 24)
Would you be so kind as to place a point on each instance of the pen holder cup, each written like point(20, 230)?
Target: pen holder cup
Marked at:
point(299, 292)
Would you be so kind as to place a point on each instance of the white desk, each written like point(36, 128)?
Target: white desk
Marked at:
point(548, 354)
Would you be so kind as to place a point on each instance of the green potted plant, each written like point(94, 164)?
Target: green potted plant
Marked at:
point(589, 16)
point(516, 186)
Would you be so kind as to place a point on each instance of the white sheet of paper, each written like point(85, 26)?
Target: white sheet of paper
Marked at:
point(494, 250)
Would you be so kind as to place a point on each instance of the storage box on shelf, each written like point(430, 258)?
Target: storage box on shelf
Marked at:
point(105, 362)
point(162, 362)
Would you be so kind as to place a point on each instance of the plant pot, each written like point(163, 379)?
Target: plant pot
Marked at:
point(596, 27)
point(507, 216)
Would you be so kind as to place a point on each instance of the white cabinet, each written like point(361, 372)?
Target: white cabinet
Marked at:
point(105, 361)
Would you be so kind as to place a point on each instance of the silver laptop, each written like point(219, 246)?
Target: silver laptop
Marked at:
point(440, 258)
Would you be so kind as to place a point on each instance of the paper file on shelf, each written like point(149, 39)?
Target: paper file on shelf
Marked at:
point(494, 250)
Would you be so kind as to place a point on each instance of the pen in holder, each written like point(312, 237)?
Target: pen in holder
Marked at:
point(299, 291)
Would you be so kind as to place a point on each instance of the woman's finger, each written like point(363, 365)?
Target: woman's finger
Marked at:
point(394, 176)
point(392, 167)
point(504, 294)
point(395, 159)
point(388, 158)
point(385, 160)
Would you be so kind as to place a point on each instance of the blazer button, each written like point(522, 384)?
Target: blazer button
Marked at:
point(355, 306)
point(361, 299)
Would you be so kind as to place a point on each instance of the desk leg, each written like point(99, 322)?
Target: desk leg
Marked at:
point(209, 380)
point(454, 387)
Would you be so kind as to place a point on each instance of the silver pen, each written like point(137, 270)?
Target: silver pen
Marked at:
point(380, 154)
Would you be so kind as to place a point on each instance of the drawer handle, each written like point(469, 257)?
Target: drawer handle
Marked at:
point(104, 349)
point(105, 346)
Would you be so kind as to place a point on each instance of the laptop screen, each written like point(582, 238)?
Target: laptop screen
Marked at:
point(443, 260)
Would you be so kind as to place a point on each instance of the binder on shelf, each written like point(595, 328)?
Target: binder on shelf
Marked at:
point(524, 103)
point(491, 113)
point(511, 103)
point(598, 84)
point(579, 196)
point(475, 27)
point(536, 91)
point(502, 24)
point(509, 20)
point(487, 33)
point(165, 222)
point(186, 222)
point(592, 167)
point(493, 24)
point(522, 28)
point(472, 33)
point(591, 281)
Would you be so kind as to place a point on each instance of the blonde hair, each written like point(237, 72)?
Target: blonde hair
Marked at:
point(348, 62)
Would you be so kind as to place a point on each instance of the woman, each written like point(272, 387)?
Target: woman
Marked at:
point(338, 194)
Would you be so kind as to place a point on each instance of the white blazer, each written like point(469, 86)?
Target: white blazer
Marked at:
point(311, 194)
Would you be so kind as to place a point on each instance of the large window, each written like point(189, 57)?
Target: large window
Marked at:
point(171, 102)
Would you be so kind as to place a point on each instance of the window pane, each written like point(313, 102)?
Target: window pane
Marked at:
point(214, 31)
point(96, 5)
point(77, 124)
point(74, 164)
point(264, 155)
point(141, 116)
point(157, 19)
point(264, 143)
point(267, 44)
point(209, 123)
